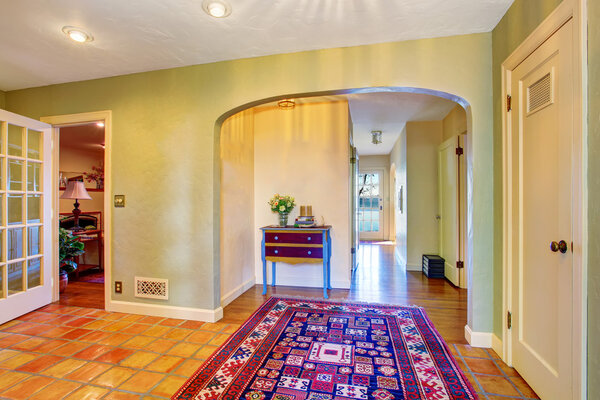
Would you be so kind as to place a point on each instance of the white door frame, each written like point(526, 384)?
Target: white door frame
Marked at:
point(568, 9)
point(57, 122)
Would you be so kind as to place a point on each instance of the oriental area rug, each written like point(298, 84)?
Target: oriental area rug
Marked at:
point(303, 349)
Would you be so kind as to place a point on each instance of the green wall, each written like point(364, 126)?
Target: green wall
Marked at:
point(593, 199)
point(518, 23)
point(165, 147)
point(2, 99)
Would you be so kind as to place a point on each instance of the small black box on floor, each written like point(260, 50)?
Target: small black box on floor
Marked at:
point(433, 266)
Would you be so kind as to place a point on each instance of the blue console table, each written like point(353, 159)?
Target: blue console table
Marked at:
point(294, 246)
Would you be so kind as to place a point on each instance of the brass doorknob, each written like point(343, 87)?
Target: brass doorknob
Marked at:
point(560, 246)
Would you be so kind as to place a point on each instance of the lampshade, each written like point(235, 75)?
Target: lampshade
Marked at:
point(75, 190)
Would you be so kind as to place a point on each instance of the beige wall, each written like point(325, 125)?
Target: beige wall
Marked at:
point(165, 130)
point(518, 22)
point(75, 161)
point(237, 205)
point(422, 141)
point(454, 123)
point(593, 178)
point(380, 162)
point(398, 159)
point(304, 153)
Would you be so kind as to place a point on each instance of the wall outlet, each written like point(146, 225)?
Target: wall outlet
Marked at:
point(118, 287)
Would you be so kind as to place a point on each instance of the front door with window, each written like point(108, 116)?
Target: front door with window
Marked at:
point(26, 255)
point(370, 205)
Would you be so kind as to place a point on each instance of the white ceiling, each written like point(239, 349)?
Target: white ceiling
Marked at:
point(389, 112)
point(143, 35)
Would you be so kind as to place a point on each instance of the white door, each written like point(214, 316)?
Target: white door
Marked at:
point(542, 135)
point(450, 178)
point(370, 205)
point(26, 252)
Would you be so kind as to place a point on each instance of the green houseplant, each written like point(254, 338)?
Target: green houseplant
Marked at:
point(69, 247)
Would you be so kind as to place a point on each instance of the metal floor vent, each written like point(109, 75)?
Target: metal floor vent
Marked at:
point(152, 288)
point(540, 94)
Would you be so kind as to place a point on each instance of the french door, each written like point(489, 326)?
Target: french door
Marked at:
point(26, 251)
point(370, 205)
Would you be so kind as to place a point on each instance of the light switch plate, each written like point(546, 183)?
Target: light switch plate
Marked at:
point(119, 200)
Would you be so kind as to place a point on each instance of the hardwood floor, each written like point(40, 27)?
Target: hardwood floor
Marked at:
point(83, 294)
point(379, 279)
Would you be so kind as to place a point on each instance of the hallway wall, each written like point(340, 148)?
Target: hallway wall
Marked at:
point(593, 262)
point(398, 157)
point(237, 205)
point(518, 23)
point(422, 141)
point(303, 153)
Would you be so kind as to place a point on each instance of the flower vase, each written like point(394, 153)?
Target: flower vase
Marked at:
point(283, 217)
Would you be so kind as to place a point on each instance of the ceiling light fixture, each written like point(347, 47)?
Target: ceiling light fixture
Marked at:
point(376, 137)
point(100, 124)
point(216, 8)
point(77, 34)
point(286, 104)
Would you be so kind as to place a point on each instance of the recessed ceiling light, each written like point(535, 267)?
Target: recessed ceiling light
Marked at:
point(77, 34)
point(216, 8)
point(100, 124)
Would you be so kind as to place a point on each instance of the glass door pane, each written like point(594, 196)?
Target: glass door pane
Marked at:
point(369, 200)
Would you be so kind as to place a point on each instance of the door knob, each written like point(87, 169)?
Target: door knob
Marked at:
point(560, 246)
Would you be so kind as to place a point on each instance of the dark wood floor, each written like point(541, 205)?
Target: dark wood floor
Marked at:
point(379, 279)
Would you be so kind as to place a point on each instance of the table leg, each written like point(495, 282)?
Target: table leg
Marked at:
point(274, 273)
point(264, 277)
point(325, 269)
point(329, 263)
point(264, 260)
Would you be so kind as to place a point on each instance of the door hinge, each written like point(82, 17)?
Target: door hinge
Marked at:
point(508, 103)
point(508, 320)
point(459, 151)
point(460, 264)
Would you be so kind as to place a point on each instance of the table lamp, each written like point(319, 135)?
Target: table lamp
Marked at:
point(76, 190)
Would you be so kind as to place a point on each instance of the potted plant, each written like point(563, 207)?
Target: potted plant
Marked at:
point(69, 247)
point(282, 205)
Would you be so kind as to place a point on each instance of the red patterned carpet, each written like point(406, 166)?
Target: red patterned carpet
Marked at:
point(302, 349)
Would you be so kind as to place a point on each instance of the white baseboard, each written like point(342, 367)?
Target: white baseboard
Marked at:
point(237, 291)
point(159, 310)
point(497, 345)
point(413, 267)
point(478, 339)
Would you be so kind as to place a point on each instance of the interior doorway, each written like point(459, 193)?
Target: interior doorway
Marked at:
point(81, 212)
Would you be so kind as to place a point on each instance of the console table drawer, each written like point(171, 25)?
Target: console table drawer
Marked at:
point(294, 237)
point(297, 252)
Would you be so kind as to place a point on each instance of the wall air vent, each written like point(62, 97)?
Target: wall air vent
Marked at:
point(152, 288)
point(540, 94)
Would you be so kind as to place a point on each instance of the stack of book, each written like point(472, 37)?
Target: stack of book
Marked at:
point(305, 220)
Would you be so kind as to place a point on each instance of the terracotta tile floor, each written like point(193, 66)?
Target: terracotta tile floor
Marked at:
point(65, 352)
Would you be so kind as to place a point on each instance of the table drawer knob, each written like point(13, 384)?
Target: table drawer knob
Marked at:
point(309, 238)
point(276, 251)
point(309, 252)
point(276, 237)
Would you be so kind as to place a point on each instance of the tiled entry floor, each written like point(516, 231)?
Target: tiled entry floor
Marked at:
point(84, 353)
